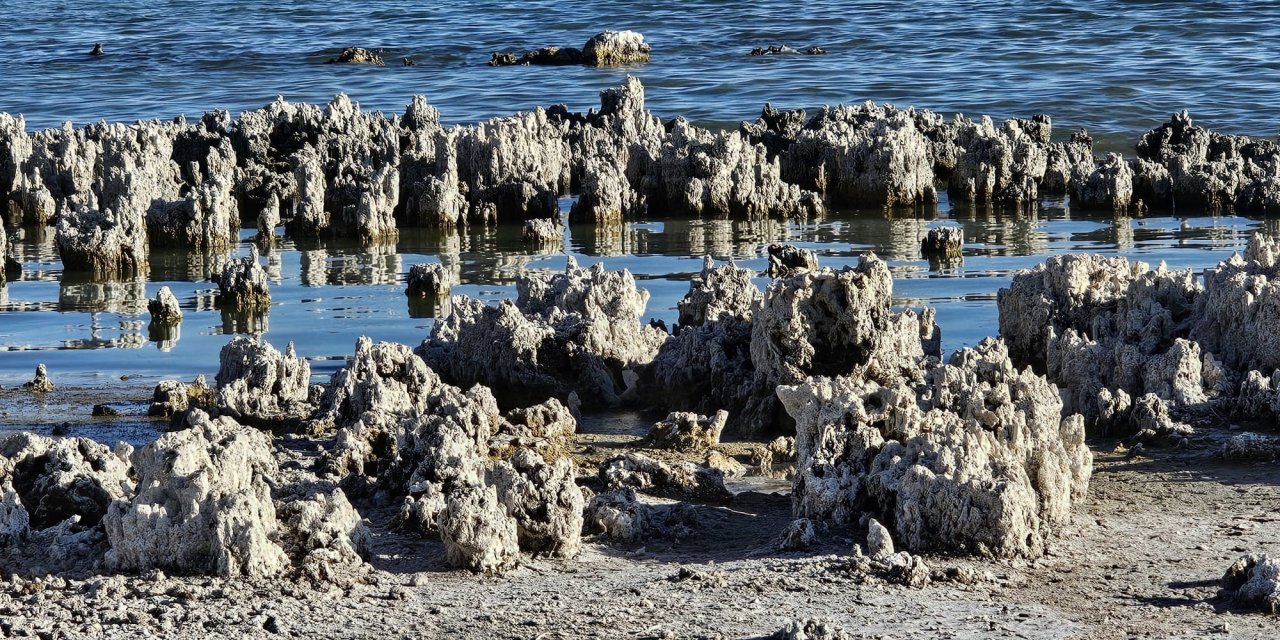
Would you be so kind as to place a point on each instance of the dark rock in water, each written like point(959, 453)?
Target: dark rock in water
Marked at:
point(243, 284)
point(103, 411)
point(428, 279)
point(97, 49)
point(358, 55)
point(605, 49)
point(786, 260)
point(409, 62)
point(943, 242)
point(776, 49)
point(549, 56)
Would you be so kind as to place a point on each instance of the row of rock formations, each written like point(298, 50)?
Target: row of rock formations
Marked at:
point(1142, 352)
point(113, 190)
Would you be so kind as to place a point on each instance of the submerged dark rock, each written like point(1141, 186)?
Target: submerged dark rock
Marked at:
point(358, 55)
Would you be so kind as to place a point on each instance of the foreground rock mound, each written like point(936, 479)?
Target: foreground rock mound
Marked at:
point(54, 495)
point(974, 458)
point(261, 386)
point(203, 504)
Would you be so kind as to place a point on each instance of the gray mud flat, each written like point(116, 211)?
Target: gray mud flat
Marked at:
point(1141, 559)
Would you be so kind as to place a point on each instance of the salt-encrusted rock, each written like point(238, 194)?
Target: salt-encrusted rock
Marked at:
point(831, 323)
point(1108, 187)
point(798, 535)
point(605, 195)
point(728, 466)
point(814, 322)
point(549, 420)
point(543, 232)
point(511, 168)
point(700, 173)
point(681, 480)
point(614, 48)
point(544, 501)
point(1254, 581)
point(42, 383)
point(54, 493)
point(1251, 447)
point(1194, 168)
point(164, 307)
point(619, 516)
point(879, 541)
point(787, 260)
point(325, 537)
point(810, 629)
point(686, 431)
point(203, 504)
point(1069, 164)
point(208, 216)
point(358, 55)
point(718, 293)
point(477, 532)
point(428, 279)
point(243, 284)
point(943, 242)
point(605, 49)
point(172, 397)
point(1238, 304)
point(102, 244)
point(999, 166)
point(862, 155)
point(578, 331)
point(268, 220)
point(63, 479)
point(258, 385)
point(976, 458)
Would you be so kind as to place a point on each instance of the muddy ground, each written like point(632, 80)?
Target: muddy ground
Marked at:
point(1141, 560)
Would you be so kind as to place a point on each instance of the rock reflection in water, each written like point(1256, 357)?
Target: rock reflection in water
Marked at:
point(124, 296)
point(250, 322)
point(165, 336)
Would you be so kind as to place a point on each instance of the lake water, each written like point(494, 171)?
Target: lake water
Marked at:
point(1118, 68)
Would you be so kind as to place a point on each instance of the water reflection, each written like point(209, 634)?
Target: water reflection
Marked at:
point(125, 296)
point(326, 294)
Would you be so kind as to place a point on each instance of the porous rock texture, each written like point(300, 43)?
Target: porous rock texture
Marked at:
point(202, 505)
point(171, 397)
point(577, 331)
point(678, 481)
point(164, 307)
point(687, 431)
point(260, 386)
point(1110, 333)
point(101, 243)
point(619, 515)
point(943, 242)
point(545, 502)
point(429, 279)
point(477, 532)
point(739, 346)
point(1188, 167)
point(786, 260)
point(605, 49)
point(543, 232)
point(324, 537)
point(1254, 581)
point(975, 457)
point(242, 285)
point(54, 494)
